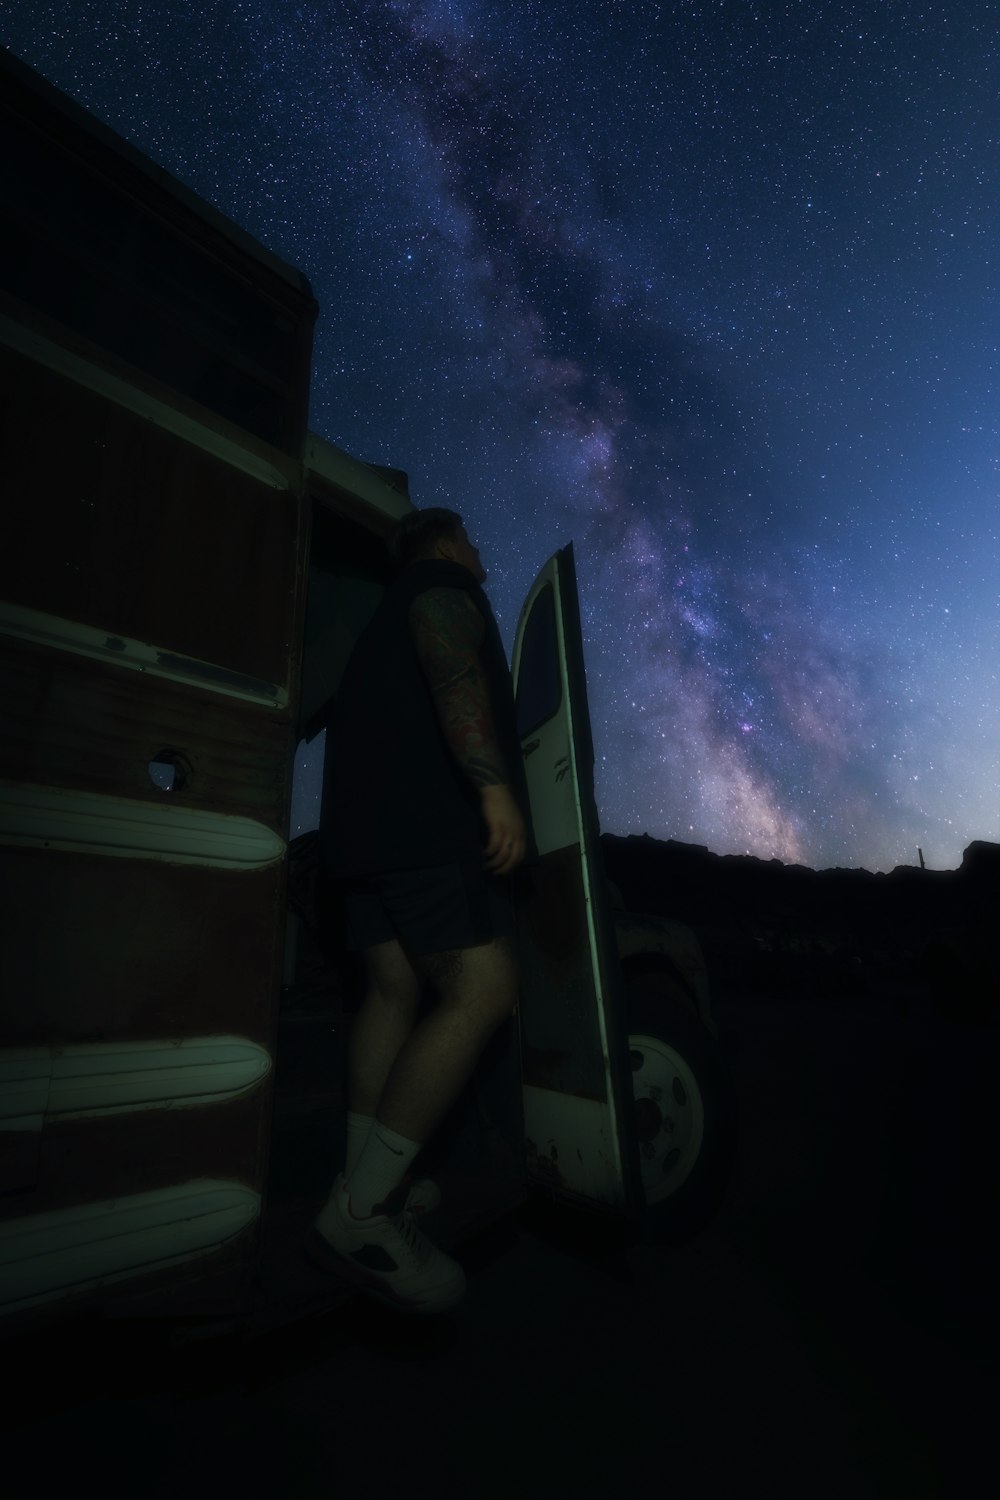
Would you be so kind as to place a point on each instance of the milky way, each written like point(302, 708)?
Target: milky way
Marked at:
point(709, 290)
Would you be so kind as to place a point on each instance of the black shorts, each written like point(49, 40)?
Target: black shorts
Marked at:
point(428, 910)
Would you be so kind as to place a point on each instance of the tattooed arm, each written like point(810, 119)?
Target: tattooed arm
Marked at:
point(448, 631)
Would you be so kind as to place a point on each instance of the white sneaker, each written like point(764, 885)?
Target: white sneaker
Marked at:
point(389, 1258)
point(423, 1195)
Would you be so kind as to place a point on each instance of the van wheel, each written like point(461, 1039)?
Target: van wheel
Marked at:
point(685, 1113)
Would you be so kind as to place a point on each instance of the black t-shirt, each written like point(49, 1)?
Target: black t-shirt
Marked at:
point(394, 796)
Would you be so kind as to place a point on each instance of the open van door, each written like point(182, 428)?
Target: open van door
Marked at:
point(577, 1093)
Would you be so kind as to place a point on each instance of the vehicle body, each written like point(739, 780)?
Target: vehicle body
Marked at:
point(184, 572)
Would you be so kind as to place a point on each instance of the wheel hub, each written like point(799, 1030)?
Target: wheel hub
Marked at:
point(669, 1116)
point(648, 1119)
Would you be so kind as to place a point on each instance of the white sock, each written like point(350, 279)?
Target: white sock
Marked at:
point(358, 1130)
point(383, 1164)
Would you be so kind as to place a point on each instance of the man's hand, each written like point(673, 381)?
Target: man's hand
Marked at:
point(508, 840)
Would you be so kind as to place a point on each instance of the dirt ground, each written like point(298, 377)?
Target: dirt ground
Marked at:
point(833, 1332)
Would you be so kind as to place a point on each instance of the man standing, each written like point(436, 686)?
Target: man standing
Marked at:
point(425, 817)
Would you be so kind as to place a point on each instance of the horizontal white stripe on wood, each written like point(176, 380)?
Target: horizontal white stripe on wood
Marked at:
point(87, 1080)
point(72, 1250)
point(81, 822)
point(85, 372)
point(40, 629)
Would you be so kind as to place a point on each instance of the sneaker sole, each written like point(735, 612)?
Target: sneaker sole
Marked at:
point(322, 1254)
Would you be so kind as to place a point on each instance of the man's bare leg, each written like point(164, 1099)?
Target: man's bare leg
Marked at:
point(382, 1025)
point(477, 991)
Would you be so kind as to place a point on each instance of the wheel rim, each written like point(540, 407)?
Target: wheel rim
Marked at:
point(669, 1116)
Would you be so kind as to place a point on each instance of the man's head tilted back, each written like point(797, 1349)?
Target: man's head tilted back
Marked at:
point(434, 533)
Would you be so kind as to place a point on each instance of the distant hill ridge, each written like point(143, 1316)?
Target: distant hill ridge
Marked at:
point(979, 860)
point(767, 925)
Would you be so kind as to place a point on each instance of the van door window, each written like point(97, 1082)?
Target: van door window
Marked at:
point(539, 681)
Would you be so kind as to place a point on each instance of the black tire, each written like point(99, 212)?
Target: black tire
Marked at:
point(686, 1113)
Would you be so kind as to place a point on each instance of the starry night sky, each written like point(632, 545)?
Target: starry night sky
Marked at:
point(709, 289)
